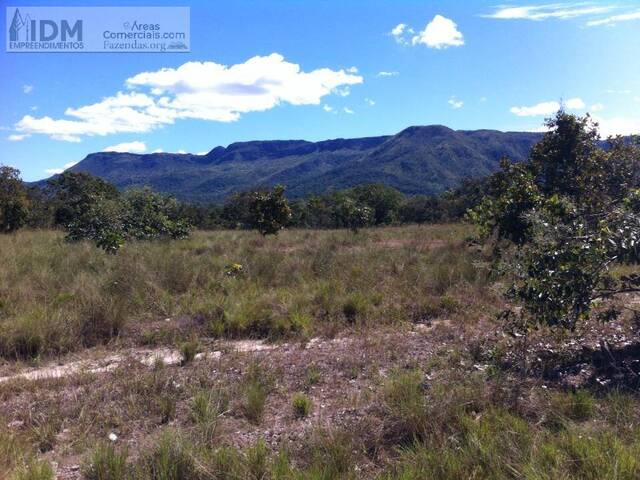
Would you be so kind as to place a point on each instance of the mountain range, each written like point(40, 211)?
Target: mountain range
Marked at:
point(418, 160)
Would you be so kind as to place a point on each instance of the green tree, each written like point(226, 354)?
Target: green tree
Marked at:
point(74, 193)
point(351, 214)
point(14, 202)
point(573, 212)
point(149, 215)
point(270, 211)
point(384, 201)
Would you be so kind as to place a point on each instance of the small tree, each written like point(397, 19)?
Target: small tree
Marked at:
point(14, 203)
point(353, 215)
point(573, 212)
point(270, 211)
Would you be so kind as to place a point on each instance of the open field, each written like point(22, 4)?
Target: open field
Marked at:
point(310, 355)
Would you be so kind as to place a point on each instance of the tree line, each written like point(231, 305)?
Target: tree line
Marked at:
point(88, 207)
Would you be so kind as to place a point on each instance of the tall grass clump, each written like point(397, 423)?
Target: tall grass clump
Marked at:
point(107, 462)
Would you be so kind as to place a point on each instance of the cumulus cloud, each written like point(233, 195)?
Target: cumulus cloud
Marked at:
point(348, 110)
point(612, 126)
point(612, 20)
point(369, 102)
point(27, 89)
point(388, 74)
point(547, 108)
point(441, 32)
point(57, 171)
point(596, 107)
point(128, 147)
point(543, 12)
point(455, 103)
point(194, 90)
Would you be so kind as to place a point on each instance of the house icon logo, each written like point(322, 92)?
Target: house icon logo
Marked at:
point(19, 24)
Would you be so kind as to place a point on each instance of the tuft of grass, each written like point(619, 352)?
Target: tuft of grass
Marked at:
point(35, 470)
point(107, 462)
point(171, 459)
point(189, 350)
point(301, 405)
point(257, 384)
point(206, 408)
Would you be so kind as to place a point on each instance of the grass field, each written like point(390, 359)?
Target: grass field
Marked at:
point(310, 355)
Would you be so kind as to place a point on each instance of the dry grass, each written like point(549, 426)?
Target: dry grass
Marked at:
point(388, 364)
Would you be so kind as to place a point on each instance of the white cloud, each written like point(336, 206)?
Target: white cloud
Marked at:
point(440, 33)
point(202, 153)
point(543, 12)
point(610, 21)
point(596, 107)
point(57, 171)
point(17, 137)
point(455, 103)
point(348, 110)
point(27, 89)
point(483, 99)
point(182, 152)
point(617, 125)
point(388, 74)
point(399, 31)
point(128, 147)
point(195, 90)
point(352, 70)
point(158, 150)
point(547, 108)
point(343, 92)
point(327, 108)
point(574, 104)
point(369, 102)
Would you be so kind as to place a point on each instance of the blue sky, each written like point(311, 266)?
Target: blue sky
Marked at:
point(325, 69)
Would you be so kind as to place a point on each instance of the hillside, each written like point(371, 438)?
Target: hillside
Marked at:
point(418, 160)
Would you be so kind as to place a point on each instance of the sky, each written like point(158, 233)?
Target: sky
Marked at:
point(314, 70)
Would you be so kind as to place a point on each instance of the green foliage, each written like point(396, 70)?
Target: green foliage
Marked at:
point(301, 405)
point(149, 215)
point(270, 211)
point(90, 208)
point(14, 202)
point(572, 212)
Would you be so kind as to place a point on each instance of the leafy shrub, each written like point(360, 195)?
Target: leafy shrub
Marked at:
point(270, 211)
point(14, 203)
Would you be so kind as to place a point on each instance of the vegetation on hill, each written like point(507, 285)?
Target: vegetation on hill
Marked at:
point(417, 161)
